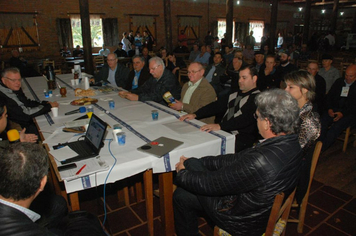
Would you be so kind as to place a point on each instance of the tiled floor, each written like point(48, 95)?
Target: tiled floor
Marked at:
point(330, 212)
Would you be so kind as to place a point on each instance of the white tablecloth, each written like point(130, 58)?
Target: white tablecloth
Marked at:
point(137, 115)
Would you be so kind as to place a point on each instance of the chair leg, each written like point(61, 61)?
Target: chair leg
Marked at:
point(302, 211)
point(347, 134)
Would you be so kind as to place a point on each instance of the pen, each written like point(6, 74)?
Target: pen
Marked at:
point(80, 170)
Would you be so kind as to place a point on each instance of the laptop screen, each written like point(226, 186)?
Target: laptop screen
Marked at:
point(96, 131)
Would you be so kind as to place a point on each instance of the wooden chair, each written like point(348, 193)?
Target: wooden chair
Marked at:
point(98, 62)
point(58, 71)
point(302, 64)
point(182, 73)
point(304, 203)
point(342, 67)
point(349, 132)
point(277, 219)
point(46, 63)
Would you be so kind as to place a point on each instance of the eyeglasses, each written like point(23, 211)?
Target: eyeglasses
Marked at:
point(13, 80)
point(193, 72)
point(154, 68)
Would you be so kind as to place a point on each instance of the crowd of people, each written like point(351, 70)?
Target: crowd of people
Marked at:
point(277, 113)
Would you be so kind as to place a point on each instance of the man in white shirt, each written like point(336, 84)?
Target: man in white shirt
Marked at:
point(104, 51)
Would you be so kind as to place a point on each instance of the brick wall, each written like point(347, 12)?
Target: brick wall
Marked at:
point(50, 10)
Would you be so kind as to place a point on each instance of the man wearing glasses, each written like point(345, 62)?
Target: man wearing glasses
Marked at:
point(21, 110)
point(161, 81)
point(113, 72)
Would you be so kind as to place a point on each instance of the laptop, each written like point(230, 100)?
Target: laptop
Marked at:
point(161, 146)
point(92, 143)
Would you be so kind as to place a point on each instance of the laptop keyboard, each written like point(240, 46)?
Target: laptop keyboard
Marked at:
point(81, 148)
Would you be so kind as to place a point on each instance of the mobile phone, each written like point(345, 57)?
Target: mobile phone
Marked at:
point(67, 167)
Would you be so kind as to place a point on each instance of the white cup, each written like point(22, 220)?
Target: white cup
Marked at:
point(72, 81)
point(72, 71)
point(54, 111)
point(76, 81)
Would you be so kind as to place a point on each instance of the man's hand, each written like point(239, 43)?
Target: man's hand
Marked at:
point(54, 104)
point(177, 106)
point(338, 115)
point(180, 164)
point(188, 117)
point(123, 93)
point(29, 138)
point(331, 113)
point(92, 80)
point(128, 95)
point(210, 127)
point(175, 69)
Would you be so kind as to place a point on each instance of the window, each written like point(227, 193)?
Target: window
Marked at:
point(257, 28)
point(96, 30)
point(222, 29)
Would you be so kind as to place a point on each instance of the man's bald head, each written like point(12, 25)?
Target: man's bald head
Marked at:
point(350, 74)
point(313, 68)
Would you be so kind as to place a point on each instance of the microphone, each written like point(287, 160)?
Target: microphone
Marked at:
point(13, 136)
point(79, 110)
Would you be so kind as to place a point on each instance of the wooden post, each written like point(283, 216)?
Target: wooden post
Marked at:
point(306, 21)
point(85, 21)
point(229, 20)
point(334, 16)
point(168, 24)
point(272, 36)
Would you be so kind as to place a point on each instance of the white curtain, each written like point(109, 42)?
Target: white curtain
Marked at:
point(142, 20)
point(189, 21)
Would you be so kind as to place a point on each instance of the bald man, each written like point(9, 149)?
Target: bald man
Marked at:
point(340, 108)
point(320, 88)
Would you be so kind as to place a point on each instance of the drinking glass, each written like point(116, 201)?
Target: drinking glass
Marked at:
point(63, 91)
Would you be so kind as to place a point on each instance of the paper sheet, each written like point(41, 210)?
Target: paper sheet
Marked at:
point(63, 153)
point(93, 165)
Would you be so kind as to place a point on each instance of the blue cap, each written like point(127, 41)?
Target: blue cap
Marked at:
point(82, 109)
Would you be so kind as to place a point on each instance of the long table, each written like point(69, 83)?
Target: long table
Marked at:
point(135, 118)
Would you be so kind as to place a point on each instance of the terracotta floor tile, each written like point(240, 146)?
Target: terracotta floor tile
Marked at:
point(120, 220)
point(158, 229)
point(140, 209)
point(336, 193)
point(314, 216)
point(292, 229)
point(326, 230)
point(315, 185)
point(325, 201)
point(351, 206)
point(345, 221)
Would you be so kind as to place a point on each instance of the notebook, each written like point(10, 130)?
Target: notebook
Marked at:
point(92, 143)
point(161, 146)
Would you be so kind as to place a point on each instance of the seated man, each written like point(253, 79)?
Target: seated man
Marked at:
point(20, 109)
point(203, 57)
point(214, 72)
point(248, 53)
point(181, 48)
point(320, 86)
point(328, 72)
point(23, 176)
point(284, 68)
point(119, 51)
point(161, 81)
point(238, 107)
point(113, 72)
point(341, 108)
point(18, 62)
point(259, 61)
point(139, 75)
point(78, 52)
point(229, 53)
point(104, 51)
point(236, 191)
point(146, 55)
point(194, 53)
point(174, 64)
point(30, 138)
point(267, 76)
point(65, 52)
point(196, 93)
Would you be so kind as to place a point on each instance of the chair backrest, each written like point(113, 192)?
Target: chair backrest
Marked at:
point(279, 212)
point(46, 63)
point(182, 72)
point(98, 60)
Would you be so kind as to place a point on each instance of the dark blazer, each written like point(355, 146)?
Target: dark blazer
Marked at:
point(121, 75)
point(144, 76)
point(16, 223)
point(218, 73)
point(154, 90)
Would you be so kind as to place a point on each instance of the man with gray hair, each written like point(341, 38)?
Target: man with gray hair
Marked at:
point(236, 191)
point(161, 81)
point(139, 75)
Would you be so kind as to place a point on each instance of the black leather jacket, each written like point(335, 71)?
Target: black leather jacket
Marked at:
point(238, 190)
point(15, 223)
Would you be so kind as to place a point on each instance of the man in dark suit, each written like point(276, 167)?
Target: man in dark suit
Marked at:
point(214, 72)
point(114, 73)
point(139, 75)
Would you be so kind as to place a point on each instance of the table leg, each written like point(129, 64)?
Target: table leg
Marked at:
point(166, 201)
point(74, 201)
point(148, 185)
